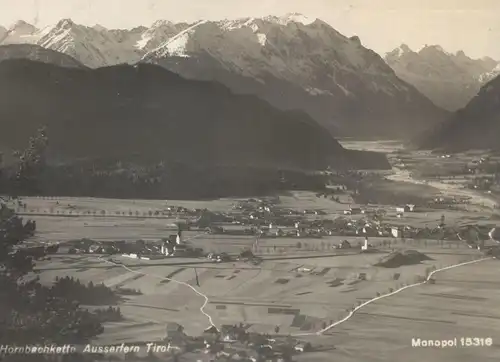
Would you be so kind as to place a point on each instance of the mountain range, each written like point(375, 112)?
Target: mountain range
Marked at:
point(292, 62)
point(449, 80)
point(38, 54)
point(476, 126)
point(148, 113)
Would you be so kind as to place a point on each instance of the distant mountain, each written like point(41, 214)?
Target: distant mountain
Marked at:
point(147, 112)
point(492, 74)
point(3, 33)
point(477, 126)
point(19, 33)
point(297, 63)
point(449, 80)
point(94, 46)
point(37, 53)
point(160, 32)
point(292, 62)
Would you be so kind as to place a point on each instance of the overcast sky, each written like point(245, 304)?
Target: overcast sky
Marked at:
point(382, 25)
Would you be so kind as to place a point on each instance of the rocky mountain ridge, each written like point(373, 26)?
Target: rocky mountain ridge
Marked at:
point(290, 61)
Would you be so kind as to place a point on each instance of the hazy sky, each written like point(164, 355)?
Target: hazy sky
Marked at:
point(470, 25)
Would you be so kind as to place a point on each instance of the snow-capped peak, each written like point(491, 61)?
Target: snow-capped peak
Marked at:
point(19, 33)
point(161, 23)
point(229, 25)
point(92, 46)
point(159, 32)
point(176, 45)
point(295, 18)
point(65, 24)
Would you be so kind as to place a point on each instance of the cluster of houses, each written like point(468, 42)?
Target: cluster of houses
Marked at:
point(399, 210)
point(269, 221)
point(265, 220)
point(172, 246)
point(235, 343)
point(167, 247)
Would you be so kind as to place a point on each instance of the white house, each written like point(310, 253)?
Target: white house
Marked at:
point(365, 246)
point(410, 207)
point(396, 232)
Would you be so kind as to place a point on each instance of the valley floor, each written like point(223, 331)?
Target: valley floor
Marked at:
point(301, 291)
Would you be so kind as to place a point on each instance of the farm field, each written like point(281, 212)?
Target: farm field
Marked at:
point(276, 293)
point(460, 304)
point(302, 285)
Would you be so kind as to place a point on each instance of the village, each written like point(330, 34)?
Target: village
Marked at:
point(263, 265)
point(263, 220)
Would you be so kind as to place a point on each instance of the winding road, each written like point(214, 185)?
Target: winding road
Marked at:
point(351, 314)
point(196, 291)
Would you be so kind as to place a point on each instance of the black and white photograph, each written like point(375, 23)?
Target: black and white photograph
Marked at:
point(253, 181)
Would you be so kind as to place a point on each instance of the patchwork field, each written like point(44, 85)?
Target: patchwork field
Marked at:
point(298, 295)
point(462, 303)
point(300, 289)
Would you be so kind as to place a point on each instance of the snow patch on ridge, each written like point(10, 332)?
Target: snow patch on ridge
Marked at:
point(262, 39)
point(177, 44)
point(292, 18)
point(141, 44)
point(316, 91)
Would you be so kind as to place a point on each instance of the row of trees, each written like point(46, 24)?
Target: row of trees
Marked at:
point(111, 314)
point(90, 294)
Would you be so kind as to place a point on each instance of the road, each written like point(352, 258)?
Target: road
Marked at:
point(351, 314)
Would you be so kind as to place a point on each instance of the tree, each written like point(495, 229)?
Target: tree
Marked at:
point(32, 162)
point(32, 314)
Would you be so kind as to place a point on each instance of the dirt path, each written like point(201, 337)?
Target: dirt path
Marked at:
point(206, 299)
point(351, 314)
